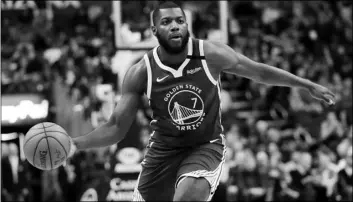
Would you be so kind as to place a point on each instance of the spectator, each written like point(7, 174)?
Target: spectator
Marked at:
point(68, 182)
point(15, 176)
point(331, 126)
point(51, 187)
point(344, 184)
point(299, 169)
point(248, 179)
point(324, 175)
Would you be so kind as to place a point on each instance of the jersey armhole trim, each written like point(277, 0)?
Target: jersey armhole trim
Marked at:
point(149, 76)
point(204, 64)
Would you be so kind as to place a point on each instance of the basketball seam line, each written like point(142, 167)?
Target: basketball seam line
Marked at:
point(51, 163)
point(45, 132)
point(43, 127)
point(59, 132)
point(60, 144)
point(35, 150)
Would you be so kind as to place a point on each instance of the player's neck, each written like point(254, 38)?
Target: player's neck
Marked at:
point(171, 59)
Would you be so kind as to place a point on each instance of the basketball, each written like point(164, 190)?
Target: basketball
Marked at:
point(46, 146)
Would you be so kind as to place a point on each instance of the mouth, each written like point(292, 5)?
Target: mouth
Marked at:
point(175, 37)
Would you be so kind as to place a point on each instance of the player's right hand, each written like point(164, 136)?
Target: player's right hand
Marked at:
point(72, 151)
point(73, 148)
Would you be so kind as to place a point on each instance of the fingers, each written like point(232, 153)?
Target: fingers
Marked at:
point(328, 96)
point(325, 98)
point(331, 93)
point(329, 99)
point(72, 150)
point(324, 94)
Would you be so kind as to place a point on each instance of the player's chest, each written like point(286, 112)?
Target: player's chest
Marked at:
point(187, 92)
point(190, 69)
point(180, 85)
point(192, 78)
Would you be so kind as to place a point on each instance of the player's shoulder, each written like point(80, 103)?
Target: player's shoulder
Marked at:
point(218, 53)
point(215, 49)
point(139, 68)
point(135, 79)
point(212, 44)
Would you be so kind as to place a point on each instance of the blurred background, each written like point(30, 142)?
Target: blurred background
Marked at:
point(63, 62)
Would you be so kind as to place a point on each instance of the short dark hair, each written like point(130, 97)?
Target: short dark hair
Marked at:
point(166, 4)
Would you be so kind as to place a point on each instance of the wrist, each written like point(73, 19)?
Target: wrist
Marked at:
point(306, 84)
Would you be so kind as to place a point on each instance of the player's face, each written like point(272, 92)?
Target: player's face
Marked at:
point(171, 30)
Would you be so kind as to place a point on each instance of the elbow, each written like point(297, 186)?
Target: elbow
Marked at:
point(262, 76)
point(118, 130)
point(119, 135)
point(116, 134)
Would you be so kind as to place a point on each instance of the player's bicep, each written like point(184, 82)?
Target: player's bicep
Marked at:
point(245, 67)
point(133, 87)
point(225, 59)
point(220, 56)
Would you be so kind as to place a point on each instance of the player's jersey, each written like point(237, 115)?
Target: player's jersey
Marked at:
point(185, 101)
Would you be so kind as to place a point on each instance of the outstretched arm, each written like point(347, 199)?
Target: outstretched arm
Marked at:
point(125, 112)
point(221, 57)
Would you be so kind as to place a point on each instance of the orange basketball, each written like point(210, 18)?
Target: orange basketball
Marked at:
point(46, 146)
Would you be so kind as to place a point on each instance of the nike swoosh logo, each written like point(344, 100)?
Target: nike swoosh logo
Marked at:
point(161, 79)
point(215, 140)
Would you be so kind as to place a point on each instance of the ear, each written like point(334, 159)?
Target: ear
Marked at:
point(154, 30)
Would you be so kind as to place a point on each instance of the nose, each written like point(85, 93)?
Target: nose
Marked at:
point(174, 26)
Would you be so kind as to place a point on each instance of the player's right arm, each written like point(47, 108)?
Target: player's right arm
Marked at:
point(113, 131)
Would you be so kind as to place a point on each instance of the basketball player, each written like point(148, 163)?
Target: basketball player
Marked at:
point(180, 77)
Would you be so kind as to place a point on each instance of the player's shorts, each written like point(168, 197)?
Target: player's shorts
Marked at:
point(163, 168)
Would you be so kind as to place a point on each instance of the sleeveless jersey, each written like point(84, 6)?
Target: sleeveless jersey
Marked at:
point(185, 101)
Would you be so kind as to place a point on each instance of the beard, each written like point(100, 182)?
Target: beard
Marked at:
point(173, 50)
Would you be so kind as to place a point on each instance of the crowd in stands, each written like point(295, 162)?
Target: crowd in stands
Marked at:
point(281, 144)
point(295, 148)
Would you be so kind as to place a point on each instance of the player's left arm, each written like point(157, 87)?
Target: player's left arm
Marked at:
point(222, 58)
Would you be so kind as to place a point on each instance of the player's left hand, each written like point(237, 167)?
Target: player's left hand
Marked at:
point(322, 93)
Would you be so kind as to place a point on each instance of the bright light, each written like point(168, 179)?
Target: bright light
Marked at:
point(8, 136)
point(26, 108)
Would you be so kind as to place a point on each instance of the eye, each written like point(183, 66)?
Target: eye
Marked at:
point(165, 22)
point(181, 21)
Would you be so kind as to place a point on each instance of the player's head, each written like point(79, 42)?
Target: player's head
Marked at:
point(170, 27)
